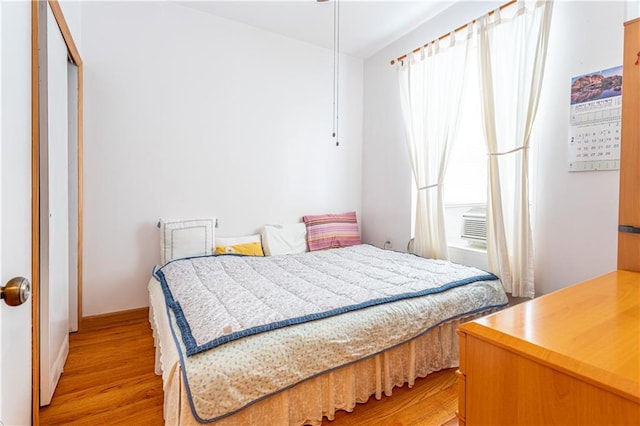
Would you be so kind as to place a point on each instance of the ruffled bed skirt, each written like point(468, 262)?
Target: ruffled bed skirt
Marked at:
point(309, 401)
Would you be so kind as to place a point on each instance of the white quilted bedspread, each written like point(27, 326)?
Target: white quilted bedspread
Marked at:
point(241, 293)
point(223, 298)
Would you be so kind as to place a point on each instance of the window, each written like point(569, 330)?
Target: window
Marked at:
point(466, 178)
point(465, 184)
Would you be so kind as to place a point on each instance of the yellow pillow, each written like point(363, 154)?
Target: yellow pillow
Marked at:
point(248, 249)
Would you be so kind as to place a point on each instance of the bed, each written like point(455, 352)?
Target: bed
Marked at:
point(310, 333)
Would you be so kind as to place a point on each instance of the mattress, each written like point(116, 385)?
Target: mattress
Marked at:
point(219, 383)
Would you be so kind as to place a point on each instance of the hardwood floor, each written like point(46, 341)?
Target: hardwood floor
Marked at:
point(109, 380)
point(431, 401)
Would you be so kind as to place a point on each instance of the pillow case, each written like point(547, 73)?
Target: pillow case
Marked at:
point(332, 230)
point(249, 245)
point(186, 238)
point(284, 239)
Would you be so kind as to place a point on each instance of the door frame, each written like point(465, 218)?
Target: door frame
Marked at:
point(38, 40)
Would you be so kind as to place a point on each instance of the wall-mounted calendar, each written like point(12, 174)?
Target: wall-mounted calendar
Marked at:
point(594, 128)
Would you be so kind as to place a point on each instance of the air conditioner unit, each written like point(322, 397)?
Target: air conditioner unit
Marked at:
point(474, 226)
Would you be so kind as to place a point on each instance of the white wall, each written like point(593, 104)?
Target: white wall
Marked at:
point(72, 10)
point(187, 114)
point(633, 9)
point(575, 214)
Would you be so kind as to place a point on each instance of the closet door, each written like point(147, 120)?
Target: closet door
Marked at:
point(629, 218)
point(54, 216)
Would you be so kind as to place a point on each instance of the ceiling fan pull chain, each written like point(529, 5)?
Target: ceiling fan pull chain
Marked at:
point(337, 54)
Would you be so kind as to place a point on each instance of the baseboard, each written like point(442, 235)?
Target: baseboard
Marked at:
point(113, 318)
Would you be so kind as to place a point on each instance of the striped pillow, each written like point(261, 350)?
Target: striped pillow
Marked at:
point(331, 230)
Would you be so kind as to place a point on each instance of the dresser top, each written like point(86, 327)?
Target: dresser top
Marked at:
point(590, 330)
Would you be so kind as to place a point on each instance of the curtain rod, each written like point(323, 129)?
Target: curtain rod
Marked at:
point(442, 37)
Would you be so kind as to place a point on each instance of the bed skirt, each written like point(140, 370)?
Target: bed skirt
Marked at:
point(309, 401)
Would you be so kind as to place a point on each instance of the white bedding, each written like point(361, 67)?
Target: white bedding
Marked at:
point(223, 380)
point(218, 299)
point(308, 402)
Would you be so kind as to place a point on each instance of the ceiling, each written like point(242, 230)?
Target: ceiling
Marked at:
point(365, 26)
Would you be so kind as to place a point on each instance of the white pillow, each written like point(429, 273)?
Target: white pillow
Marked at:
point(284, 239)
point(232, 241)
point(186, 238)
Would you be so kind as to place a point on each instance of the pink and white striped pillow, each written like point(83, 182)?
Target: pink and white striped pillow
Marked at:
point(331, 230)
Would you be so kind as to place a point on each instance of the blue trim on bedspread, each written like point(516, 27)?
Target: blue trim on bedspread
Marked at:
point(193, 348)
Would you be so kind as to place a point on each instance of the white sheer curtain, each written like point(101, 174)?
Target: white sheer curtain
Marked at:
point(511, 56)
point(431, 86)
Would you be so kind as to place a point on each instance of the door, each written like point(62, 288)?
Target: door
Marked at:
point(54, 211)
point(57, 247)
point(629, 212)
point(15, 208)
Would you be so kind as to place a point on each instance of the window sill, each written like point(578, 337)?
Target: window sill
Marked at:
point(467, 247)
point(469, 255)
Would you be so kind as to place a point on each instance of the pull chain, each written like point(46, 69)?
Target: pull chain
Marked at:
point(336, 70)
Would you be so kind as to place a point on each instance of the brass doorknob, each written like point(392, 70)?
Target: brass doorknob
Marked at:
point(16, 292)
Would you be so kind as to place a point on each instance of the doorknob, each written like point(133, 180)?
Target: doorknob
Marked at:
point(16, 292)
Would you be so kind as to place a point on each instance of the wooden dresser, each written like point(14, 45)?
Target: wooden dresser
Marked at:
point(571, 357)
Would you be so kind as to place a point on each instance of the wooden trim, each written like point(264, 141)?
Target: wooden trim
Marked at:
point(114, 318)
point(66, 33)
point(80, 147)
point(631, 21)
point(35, 218)
point(442, 37)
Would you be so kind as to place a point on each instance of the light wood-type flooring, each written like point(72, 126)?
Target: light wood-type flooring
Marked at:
point(431, 401)
point(109, 380)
